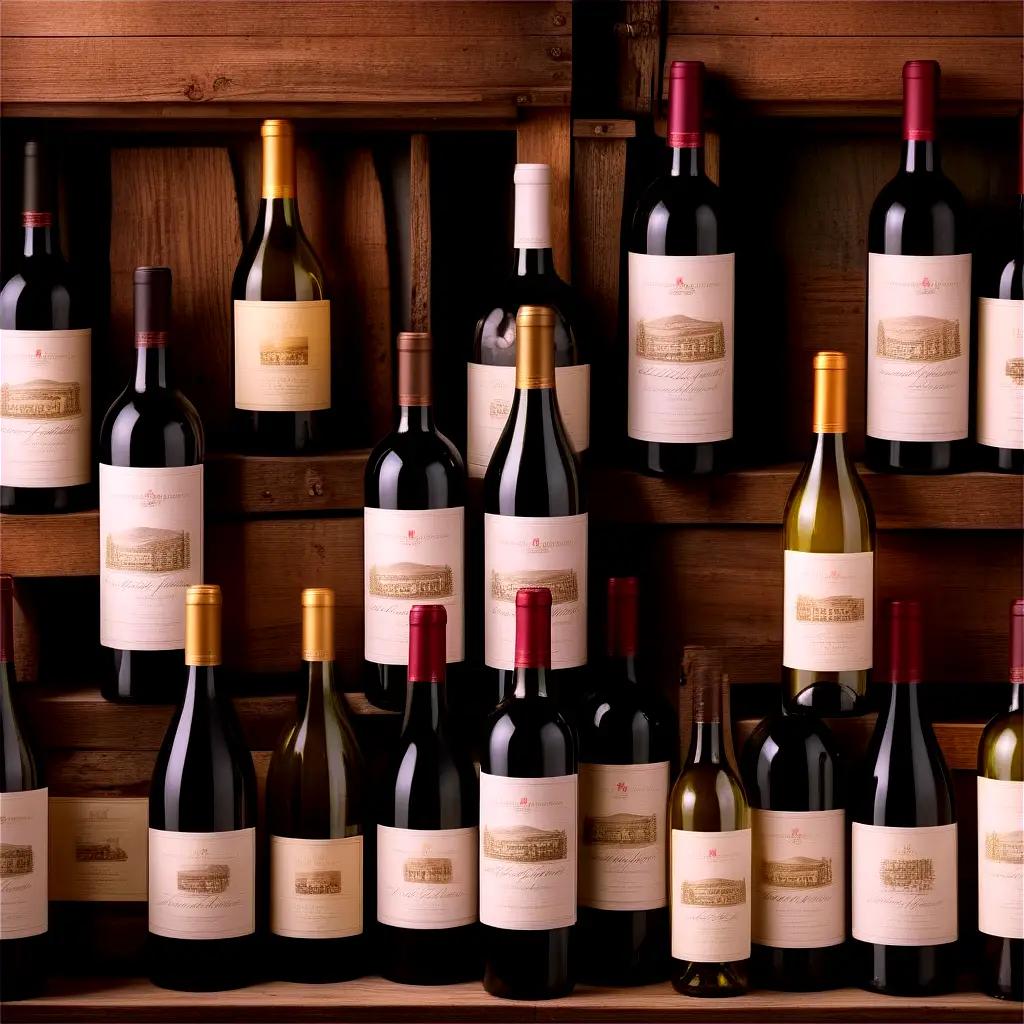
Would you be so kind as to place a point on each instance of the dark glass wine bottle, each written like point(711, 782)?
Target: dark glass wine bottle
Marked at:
point(151, 512)
point(413, 523)
point(528, 824)
point(628, 750)
point(202, 827)
point(46, 364)
point(427, 835)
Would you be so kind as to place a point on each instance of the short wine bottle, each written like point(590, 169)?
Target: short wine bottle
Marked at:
point(919, 302)
point(202, 827)
point(681, 303)
point(151, 512)
point(281, 318)
point(528, 824)
point(829, 564)
point(316, 818)
point(903, 858)
point(1000, 824)
point(628, 748)
point(534, 517)
point(24, 812)
point(427, 835)
point(413, 530)
point(491, 379)
point(45, 364)
point(710, 863)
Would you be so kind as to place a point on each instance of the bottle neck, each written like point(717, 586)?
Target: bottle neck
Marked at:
point(533, 262)
point(829, 447)
point(415, 419)
point(201, 689)
point(40, 239)
point(707, 744)
point(426, 707)
point(920, 156)
point(319, 694)
point(687, 162)
point(1016, 694)
point(279, 214)
point(150, 367)
point(622, 668)
point(904, 709)
point(530, 682)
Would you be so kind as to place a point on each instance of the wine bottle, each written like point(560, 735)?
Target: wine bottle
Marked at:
point(1001, 350)
point(528, 808)
point(904, 836)
point(23, 811)
point(829, 564)
point(413, 523)
point(1000, 827)
point(202, 826)
point(919, 302)
point(282, 318)
point(317, 821)
point(151, 512)
point(711, 847)
point(427, 835)
point(45, 364)
point(681, 303)
point(793, 779)
point(535, 526)
point(628, 745)
point(533, 282)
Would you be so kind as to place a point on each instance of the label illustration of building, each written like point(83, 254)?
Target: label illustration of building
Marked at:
point(318, 883)
point(680, 339)
point(410, 581)
point(108, 849)
point(842, 608)
point(427, 870)
point(525, 844)
point(918, 339)
point(41, 400)
point(284, 352)
point(148, 549)
point(15, 859)
point(499, 409)
point(620, 830)
point(797, 872)
point(907, 873)
point(715, 892)
point(562, 583)
point(1015, 371)
point(1005, 847)
point(208, 879)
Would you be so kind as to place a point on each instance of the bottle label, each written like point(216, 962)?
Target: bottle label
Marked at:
point(202, 885)
point(710, 890)
point(919, 346)
point(283, 355)
point(528, 852)
point(1001, 373)
point(98, 848)
point(316, 887)
point(828, 609)
point(799, 886)
point(411, 557)
point(151, 550)
point(1001, 858)
point(623, 809)
point(489, 392)
point(45, 408)
point(681, 311)
point(904, 885)
point(23, 861)
point(535, 551)
point(427, 878)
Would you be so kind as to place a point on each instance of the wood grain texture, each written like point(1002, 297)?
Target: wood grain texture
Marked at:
point(50, 545)
point(419, 232)
point(544, 137)
point(639, 45)
point(603, 128)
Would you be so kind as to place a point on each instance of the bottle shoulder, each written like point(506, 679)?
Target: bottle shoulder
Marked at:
point(419, 460)
point(515, 720)
point(162, 415)
point(628, 715)
point(918, 211)
point(680, 216)
point(1001, 747)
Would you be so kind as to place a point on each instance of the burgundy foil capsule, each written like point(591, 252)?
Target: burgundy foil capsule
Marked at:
point(6, 618)
point(533, 628)
point(920, 91)
point(1017, 641)
point(685, 104)
point(622, 616)
point(427, 651)
point(905, 643)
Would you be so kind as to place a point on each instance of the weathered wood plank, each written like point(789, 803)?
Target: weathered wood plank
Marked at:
point(603, 128)
point(639, 46)
point(419, 232)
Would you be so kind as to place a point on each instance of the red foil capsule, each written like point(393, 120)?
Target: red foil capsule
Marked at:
point(920, 91)
point(905, 643)
point(427, 651)
point(622, 616)
point(533, 628)
point(685, 104)
point(1017, 641)
point(6, 618)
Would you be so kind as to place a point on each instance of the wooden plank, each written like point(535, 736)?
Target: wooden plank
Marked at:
point(50, 545)
point(544, 138)
point(419, 232)
point(639, 45)
point(603, 128)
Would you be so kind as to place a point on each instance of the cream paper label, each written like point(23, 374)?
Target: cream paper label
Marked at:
point(283, 355)
point(1001, 373)
point(919, 346)
point(316, 887)
point(427, 878)
point(1001, 858)
point(904, 885)
point(527, 551)
point(23, 859)
point(528, 852)
point(45, 408)
point(411, 557)
point(681, 353)
point(623, 809)
point(151, 551)
point(99, 848)
point(799, 868)
point(710, 890)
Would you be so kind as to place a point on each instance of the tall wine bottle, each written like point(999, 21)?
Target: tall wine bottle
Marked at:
point(281, 317)
point(202, 826)
point(317, 821)
point(628, 747)
point(528, 808)
point(829, 564)
point(151, 511)
point(45, 364)
point(24, 813)
point(427, 835)
point(919, 302)
point(711, 848)
point(681, 303)
point(1000, 828)
point(413, 530)
point(904, 836)
point(535, 526)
